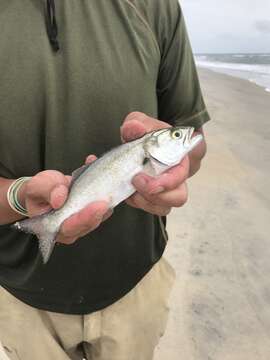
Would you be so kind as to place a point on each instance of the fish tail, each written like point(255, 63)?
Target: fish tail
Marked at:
point(45, 233)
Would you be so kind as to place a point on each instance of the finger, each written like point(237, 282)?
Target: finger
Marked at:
point(169, 180)
point(139, 202)
point(67, 240)
point(90, 158)
point(41, 185)
point(38, 206)
point(84, 221)
point(107, 215)
point(174, 198)
point(58, 196)
point(35, 209)
point(132, 130)
point(68, 178)
point(149, 122)
point(39, 188)
point(136, 124)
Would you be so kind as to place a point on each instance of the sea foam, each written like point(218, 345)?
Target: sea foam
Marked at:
point(252, 67)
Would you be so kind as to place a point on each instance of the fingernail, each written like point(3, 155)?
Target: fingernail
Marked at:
point(157, 190)
point(139, 182)
point(90, 159)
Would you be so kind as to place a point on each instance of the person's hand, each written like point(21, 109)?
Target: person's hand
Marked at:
point(156, 195)
point(49, 190)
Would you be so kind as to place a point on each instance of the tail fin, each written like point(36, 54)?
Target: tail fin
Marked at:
point(38, 225)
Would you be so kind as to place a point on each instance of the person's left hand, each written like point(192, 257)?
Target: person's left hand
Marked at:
point(156, 195)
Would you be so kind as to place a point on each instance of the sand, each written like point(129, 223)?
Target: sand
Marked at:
point(220, 241)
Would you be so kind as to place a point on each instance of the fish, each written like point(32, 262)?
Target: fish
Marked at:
point(109, 178)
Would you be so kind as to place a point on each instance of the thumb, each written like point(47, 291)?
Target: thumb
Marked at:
point(47, 189)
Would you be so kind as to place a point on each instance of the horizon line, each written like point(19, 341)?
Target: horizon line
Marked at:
point(231, 53)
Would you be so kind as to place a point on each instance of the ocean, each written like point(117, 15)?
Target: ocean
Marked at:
point(252, 67)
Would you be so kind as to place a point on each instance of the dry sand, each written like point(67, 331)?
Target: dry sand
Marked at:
point(220, 241)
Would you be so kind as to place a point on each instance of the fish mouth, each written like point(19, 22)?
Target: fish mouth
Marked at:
point(190, 133)
point(192, 141)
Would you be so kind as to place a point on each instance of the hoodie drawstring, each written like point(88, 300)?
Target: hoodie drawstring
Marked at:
point(51, 24)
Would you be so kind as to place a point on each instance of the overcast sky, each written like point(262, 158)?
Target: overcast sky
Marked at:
point(228, 25)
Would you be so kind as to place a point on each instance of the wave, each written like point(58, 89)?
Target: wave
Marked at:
point(250, 55)
point(259, 74)
point(262, 69)
point(249, 59)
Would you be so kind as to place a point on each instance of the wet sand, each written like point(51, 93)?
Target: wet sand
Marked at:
point(220, 241)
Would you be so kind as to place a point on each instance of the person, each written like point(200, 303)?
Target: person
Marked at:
point(74, 77)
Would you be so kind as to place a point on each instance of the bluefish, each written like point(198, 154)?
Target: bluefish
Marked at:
point(109, 178)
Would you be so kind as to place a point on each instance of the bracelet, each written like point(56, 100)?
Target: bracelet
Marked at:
point(12, 196)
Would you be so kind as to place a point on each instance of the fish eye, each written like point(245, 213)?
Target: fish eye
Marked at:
point(177, 134)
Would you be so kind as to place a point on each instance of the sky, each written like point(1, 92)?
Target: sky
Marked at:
point(228, 26)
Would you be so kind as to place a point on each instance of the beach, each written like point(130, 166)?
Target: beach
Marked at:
point(220, 240)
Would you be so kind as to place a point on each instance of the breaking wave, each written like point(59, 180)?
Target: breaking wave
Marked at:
point(252, 67)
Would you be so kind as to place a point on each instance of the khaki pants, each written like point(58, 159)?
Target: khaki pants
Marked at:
point(127, 330)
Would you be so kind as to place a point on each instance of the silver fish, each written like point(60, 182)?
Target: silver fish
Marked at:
point(109, 178)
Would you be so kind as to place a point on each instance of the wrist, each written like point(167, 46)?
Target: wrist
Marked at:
point(21, 193)
point(16, 196)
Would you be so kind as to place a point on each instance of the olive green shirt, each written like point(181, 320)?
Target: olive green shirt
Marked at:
point(115, 57)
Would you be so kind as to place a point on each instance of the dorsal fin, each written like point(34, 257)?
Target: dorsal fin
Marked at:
point(78, 172)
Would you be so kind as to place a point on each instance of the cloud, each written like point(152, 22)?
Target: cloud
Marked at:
point(263, 26)
point(232, 26)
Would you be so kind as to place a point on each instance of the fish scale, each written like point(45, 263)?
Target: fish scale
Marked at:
point(109, 179)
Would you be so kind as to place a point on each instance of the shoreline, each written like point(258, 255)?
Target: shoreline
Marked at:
point(201, 68)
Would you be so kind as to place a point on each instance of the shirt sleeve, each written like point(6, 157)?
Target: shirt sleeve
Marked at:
point(180, 100)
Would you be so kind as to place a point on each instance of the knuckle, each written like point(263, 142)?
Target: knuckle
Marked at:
point(182, 200)
point(129, 201)
point(86, 224)
point(173, 183)
point(55, 176)
point(171, 180)
point(157, 210)
point(158, 201)
point(45, 181)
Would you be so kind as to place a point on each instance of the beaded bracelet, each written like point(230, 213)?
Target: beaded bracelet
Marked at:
point(12, 196)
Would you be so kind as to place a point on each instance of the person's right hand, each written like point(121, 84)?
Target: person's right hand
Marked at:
point(49, 190)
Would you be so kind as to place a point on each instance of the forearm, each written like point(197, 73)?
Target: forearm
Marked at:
point(196, 156)
point(7, 215)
